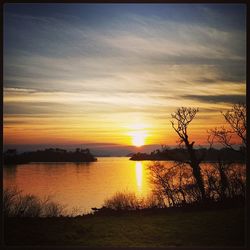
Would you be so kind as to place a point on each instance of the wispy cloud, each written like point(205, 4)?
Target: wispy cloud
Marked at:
point(127, 67)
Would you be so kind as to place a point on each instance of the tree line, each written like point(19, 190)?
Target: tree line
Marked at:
point(49, 155)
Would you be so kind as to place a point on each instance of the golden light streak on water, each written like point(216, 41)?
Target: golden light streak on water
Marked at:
point(139, 175)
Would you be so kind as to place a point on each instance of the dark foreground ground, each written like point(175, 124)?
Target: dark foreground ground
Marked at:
point(222, 227)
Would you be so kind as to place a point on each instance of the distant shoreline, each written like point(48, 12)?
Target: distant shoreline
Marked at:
point(49, 155)
point(203, 154)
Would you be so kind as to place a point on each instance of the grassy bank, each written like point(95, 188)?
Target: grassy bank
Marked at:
point(222, 227)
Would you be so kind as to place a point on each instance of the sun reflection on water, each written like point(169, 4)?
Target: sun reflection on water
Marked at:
point(139, 175)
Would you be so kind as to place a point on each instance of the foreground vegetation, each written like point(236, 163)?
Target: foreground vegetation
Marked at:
point(16, 204)
point(124, 220)
point(220, 227)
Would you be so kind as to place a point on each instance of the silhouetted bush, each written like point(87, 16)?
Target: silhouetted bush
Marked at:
point(122, 201)
point(126, 201)
point(17, 205)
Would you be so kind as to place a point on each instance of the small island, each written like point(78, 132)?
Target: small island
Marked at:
point(48, 155)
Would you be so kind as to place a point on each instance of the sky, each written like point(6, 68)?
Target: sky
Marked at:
point(114, 73)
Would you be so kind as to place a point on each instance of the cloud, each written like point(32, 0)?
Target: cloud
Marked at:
point(127, 66)
point(78, 55)
point(231, 99)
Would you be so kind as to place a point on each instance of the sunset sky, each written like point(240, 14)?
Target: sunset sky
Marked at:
point(114, 73)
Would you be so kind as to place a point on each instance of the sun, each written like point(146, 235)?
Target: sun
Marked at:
point(138, 133)
point(138, 138)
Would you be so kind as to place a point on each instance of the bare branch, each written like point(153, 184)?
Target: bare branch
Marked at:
point(222, 136)
point(236, 118)
point(181, 119)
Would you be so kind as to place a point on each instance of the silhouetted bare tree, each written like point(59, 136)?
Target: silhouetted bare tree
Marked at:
point(181, 119)
point(236, 118)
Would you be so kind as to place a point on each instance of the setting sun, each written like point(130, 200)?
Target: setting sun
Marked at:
point(138, 138)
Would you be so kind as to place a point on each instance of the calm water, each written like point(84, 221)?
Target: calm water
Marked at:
point(81, 186)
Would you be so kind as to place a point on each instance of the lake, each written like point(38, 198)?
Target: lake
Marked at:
point(80, 185)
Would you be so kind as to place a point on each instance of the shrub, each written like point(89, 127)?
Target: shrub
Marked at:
point(123, 201)
point(17, 205)
point(129, 201)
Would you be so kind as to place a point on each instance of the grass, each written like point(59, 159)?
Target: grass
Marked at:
point(221, 227)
